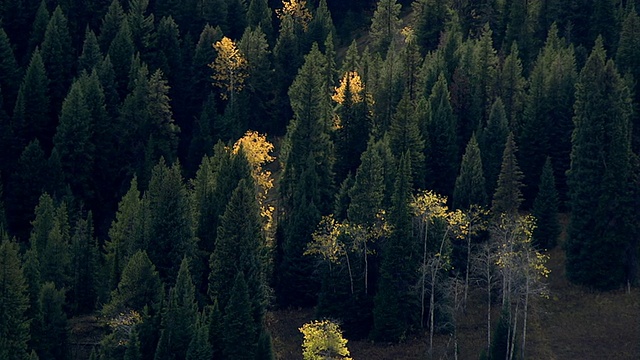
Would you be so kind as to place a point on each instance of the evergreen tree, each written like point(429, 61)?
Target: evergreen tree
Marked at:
point(51, 333)
point(39, 26)
point(470, 186)
point(385, 25)
point(160, 123)
point(429, 22)
point(58, 58)
point(141, 25)
point(133, 347)
point(259, 15)
point(404, 136)
point(443, 149)
point(511, 86)
point(139, 287)
point(55, 256)
point(178, 317)
point(492, 141)
point(264, 350)
point(111, 24)
point(31, 112)
point(545, 210)
point(236, 18)
point(321, 24)
point(91, 54)
point(200, 347)
point(368, 189)
point(9, 70)
point(508, 196)
point(215, 322)
point(170, 227)
point(395, 303)
point(14, 325)
point(85, 261)
point(598, 185)
point(120, 51)
point(628, 52)
point(240, 331)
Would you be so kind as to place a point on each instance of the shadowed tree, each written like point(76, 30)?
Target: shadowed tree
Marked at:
point(385, 25)
point(31, 118)
point(545, 210)
point(14, 301)
point(58, 58)
point(470, 186)
point(508, 196)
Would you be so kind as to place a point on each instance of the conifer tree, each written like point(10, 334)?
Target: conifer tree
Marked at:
point(133, 347)
point(321, 24)
point(470, 186)
point(368, 189)
point(545, 210)
point(443, 148)
point(170, 227)
point(111, 24)
point(259, 15)
point(120, 51)
point(628, 51)
point(259, 87)
point(236, 17)
point(31, 112)
point(178, 317)
point(91, 54)
point(492, 141)
point(598, 185)
point(215, 323)
point(404, 136)
point(55, 256)
point(508, 196)
point(141, 24)
point(107, 77)
point(14, 325)
point(394, 303)
point(200, 347)
point(9, 70)
point(385, 25)
point(510, 88)
point(39, 26)
point(85, 260)
point(430, 19)
point(50, 337)
point(240, 331)
point(57, 56)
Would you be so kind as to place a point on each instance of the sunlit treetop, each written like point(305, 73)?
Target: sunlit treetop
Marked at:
point(323, 340)
point(296, 10)
point(230, 68)
point(352, 80)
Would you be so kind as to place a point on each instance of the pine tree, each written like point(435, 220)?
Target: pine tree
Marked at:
point(508, 196)
point(160, 123)
point(141, 24)
point(240, 331)
point(120, 51)
point(492, 141)
point(443, 148)
point(545, 210)
point(236, 18)
point(85, 260)
point(404, 136)
point(139, 287)
point(178, 317)
point(430, 19)
point(259, 15)
point(394, 302)
point(200, 347)
point(39, 26)
point(57, 56)
point(385, 25)
point(111, 24)
point(511, 86)
point(368, 189)
point(50, 335)
point(55, 256)
point(470, 186)
point(9, 70)
point(170, 227)
point(133, 351)
point(215, 323)
point(628, 51)
point(14, 325)
point(91, 54)
point(598, 237)
point(31, 112)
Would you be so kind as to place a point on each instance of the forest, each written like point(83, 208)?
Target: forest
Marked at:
point(178, 169)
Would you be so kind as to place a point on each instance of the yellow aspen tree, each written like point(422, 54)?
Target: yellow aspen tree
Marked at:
point(323, 340)
point(296, 10)
point(230, 68)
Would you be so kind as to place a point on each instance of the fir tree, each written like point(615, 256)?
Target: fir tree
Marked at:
point(240, 331)
point(430, 19)
point(404, 136)
point(9, 70)
point(394, 302)
point(14, 325)
point(120, 51)
point(508, 196)
point(368, 189)
point(51, 334)
point(511, 86)
point(259, 15)
point(599, 176)
point(31, 112)
point(628, 51)
point(141, 24)
point(236, 18)
point(111, 24)
point(133, 351)
point(215, 323)
point(491, 142)
point(545, 210)
point(200, 347)
point(85, 261)
point(91, 54)
point(57, 56)
point(39, 26)
point(55, 256)
point(385, 25)
point(470, 186)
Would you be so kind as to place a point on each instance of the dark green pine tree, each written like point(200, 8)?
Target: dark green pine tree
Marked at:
point(31, 118)
point(14, 325)
point(321, 24)
point(307, 179)
point(51, 334)
point(107, 77)
point(628, 53)
point(213, 13)
point(239, 245)
point(200, 347)
point(85, 262)
point(160, 124)
point(470, 186)
point(167, 49)
point(126, 235)
point(111, 24)
point(45, 213)
point(58, 58)
point(240, 330)
point(170, 228)
point(179, 317)
point(264, 350)
point(24, 188)
point(519, 27)
point(139, 287)
point(367, 192)
point(133, 351)
point(431, 16)
point(141, 25)
point(508, 195)
point(603, 15)
point(259, 15)
point(404, 136)
point(395, 303)
point(511, 88)
point(120, 51)
point(91, 54)
point(491, 142)
point(10, 142)
point(9, 71)
point(215, 322)
point(202, 136)
point(545, 210)
point(236, 18)
point(39, 26)
point(385, 25)
point(599, 176)
point(443, 148)
point(55, 256)
point(73, 142)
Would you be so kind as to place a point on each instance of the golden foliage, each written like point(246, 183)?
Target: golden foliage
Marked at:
point(230, 68)
point(296, 10)
point(123, 324)
point(353, 82)
point(323, 340)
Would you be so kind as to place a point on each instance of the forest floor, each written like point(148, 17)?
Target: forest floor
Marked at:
point(573, 323)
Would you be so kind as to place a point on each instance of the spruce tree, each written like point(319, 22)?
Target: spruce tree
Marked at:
point(598, 185)
point(385, 25)
point(508, 195)
point(141, 24)
point(236, 18)
point(395, 302)
point(120, 52)
point(50, 335)
point(404, 136)
point(470, 186)
point(58, 59)
point(111, 24)
point(545, 210)
point(215, 323)
point(31, 116)
point(14, 325)
point(368, 189)
point(85, 261)
point(240, 331)
point(430, 19)
point(491, 142)
point(39, 26)
point(55, 256)
point(628, 51)
point(259, 15)
point(259, 87)
point(200, 347)
point(9, 70)
point(511, 86)
point(91, 54)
